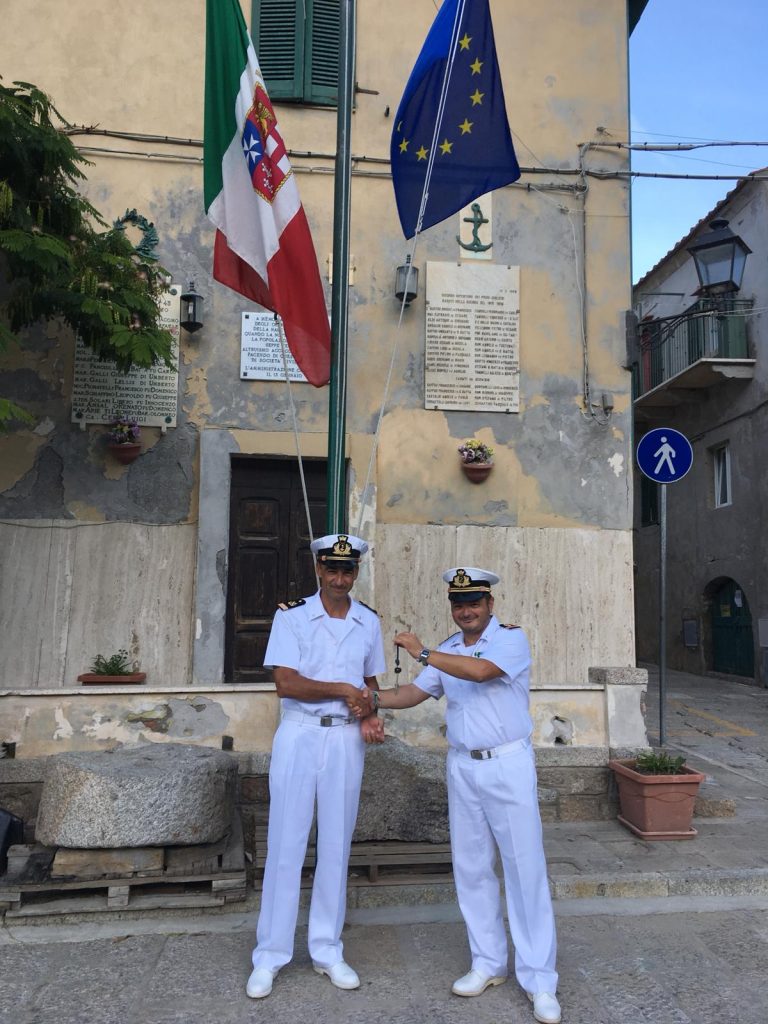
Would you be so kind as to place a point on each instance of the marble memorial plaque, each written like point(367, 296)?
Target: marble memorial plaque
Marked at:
point(260, 355)
point(472, 358)
point(100, 391)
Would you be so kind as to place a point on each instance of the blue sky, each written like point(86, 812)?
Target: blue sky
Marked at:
point(697, 72)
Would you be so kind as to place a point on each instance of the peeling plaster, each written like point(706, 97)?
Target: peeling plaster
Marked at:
point(64, 728)
point(616, 462)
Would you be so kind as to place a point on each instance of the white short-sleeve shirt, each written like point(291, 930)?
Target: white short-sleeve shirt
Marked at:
point(483, 715)
point(308, 640)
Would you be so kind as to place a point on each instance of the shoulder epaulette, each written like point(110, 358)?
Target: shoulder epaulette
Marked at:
point(367, 606)
point(287, 606)
point(452, 635)
point(505, 625)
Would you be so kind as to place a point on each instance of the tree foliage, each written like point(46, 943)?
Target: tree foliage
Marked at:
point(58, 257)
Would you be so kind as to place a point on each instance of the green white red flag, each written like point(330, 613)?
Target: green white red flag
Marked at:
point(263, 248)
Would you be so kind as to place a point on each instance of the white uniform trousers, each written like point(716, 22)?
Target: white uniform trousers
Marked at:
point(494, 803)
point(309, 763)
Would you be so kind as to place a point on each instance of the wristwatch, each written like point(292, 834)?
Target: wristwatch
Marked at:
point(424, 656)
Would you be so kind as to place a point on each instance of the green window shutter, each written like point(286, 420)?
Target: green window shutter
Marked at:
point(321, 59)
point(277, 30)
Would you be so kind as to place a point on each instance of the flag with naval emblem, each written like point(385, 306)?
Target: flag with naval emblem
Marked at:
point(263, 247)
point(472, 152)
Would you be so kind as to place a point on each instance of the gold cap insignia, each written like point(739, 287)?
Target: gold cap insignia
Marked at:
point(461, 579)
point(342, 548)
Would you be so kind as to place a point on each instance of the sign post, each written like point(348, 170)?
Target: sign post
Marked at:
point(664, 455)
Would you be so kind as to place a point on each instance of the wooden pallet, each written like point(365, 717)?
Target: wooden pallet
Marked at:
point(52, 881)
point(417, 862)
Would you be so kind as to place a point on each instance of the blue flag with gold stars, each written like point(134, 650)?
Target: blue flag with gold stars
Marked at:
point(473, 151)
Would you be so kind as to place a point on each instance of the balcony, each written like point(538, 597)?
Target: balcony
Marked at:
point(679, 355)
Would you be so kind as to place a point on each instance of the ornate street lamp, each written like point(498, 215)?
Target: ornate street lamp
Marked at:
point(191, 309)
point(719, 257)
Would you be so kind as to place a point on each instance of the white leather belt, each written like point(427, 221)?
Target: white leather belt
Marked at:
point(325, 721)
point(486, 755)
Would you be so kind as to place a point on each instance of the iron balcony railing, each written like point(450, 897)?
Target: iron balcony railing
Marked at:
point(712, 329)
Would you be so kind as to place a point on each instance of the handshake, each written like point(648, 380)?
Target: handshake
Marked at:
point(361, 704)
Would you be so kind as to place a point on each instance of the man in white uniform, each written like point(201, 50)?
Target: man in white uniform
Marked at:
point(483, 671)
point(325, 652)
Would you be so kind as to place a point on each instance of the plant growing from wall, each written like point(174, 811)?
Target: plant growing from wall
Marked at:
point(58, 257)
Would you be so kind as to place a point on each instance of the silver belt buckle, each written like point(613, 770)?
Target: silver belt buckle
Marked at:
point(481, 755)
point(326, 720)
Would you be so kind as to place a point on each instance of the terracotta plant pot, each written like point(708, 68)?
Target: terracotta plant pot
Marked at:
point(477, 471)
point(94, 679)
point(126, 453)
point(657, 806)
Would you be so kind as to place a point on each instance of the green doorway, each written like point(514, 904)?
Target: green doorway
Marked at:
point(733, 649)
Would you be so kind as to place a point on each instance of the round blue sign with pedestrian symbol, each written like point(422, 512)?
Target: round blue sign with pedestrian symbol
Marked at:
point(664, 455)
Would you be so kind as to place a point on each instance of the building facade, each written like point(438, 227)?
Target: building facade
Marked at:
point(700, 368)
point(181, 557)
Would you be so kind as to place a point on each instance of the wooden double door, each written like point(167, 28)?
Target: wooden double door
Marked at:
point(269, 556)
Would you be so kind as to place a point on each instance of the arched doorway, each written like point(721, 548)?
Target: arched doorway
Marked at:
point(733, 650)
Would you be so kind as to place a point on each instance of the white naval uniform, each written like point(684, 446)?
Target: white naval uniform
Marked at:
point(311, 762)
point(495, 798)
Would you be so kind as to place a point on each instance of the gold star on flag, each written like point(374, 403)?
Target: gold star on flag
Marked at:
point(477, 97)
point(404, 145)
point(446, 147)
point(466, 127)
point(476, 66)
point(421, 153)
point(464, 43)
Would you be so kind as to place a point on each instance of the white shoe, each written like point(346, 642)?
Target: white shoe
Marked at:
point(341, 975)
point(474, 983)
point(260, 982)
point(546, 1008)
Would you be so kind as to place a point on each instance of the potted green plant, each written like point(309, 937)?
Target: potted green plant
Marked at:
point(657, 793)
point(123, 438)
point(116, 669)
point(476, 459)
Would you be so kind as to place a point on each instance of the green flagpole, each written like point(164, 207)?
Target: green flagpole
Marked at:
point(337, 403)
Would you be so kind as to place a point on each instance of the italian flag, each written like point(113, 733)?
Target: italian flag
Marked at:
point(263, 247)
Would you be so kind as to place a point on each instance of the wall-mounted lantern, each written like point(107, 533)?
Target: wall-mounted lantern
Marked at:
point(191, 309)
point(406, 282)
point(719, 256)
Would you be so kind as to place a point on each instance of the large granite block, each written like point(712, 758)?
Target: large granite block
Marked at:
point(161, 794)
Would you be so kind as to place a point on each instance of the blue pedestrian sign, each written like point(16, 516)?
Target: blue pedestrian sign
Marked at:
point(664, 455)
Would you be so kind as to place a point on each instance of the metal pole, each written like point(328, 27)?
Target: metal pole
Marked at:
point(337, 400)
point(662, 608)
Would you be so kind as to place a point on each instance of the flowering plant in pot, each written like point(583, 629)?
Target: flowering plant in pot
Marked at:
point(657, 794)
point(123, 438)
point(476, 459)
point(114, 669)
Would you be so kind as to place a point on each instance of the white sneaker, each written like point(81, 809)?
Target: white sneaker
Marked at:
point(260, 982)
point(474, 983)
point(546, 1008)
point(341, 975)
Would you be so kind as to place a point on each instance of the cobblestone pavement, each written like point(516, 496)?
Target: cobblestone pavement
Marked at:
point(675, 968)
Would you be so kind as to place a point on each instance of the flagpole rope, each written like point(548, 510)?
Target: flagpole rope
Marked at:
point(422, 210)
point(283, 353)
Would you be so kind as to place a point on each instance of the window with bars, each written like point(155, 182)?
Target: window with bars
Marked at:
point(297, 44)
point(721, 462)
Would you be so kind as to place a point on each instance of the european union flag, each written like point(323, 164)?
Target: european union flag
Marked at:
point(472, 151)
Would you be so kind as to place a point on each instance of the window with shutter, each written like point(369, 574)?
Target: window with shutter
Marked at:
point(297, 43)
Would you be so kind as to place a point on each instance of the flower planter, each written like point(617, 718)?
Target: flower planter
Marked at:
point(94, 679)
point(657, 806)
point(477, 471)
point(126, 453)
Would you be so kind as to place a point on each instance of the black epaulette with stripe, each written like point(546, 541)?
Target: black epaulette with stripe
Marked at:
point(457, 633)
point(367, 606)
point(505, 625)
point(287, 606)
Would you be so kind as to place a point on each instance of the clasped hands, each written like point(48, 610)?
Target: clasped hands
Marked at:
point(360, 703)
